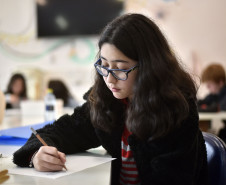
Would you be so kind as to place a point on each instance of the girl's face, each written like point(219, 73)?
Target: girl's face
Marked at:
point(112, 58)
point(17, 87)
point(213, 87)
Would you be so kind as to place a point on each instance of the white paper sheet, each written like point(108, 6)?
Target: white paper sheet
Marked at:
point(74, 164)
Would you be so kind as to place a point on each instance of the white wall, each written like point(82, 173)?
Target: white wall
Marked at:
point(195, 28)
point(41, 59)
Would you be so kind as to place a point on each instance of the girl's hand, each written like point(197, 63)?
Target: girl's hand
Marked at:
point(49, 159)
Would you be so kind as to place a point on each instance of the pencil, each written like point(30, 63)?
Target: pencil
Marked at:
point(41, 140)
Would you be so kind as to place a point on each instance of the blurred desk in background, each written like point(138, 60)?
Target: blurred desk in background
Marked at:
point(211, 121)
point(15, 118)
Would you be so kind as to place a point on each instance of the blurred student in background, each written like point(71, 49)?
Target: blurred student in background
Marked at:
point(2, 106)
point(61, 91)
point(16, 91)
point(214, 78)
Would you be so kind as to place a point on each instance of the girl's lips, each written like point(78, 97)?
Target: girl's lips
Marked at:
point(115, 90)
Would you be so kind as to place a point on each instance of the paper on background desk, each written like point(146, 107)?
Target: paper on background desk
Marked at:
point(23, 131)
point(74, 164)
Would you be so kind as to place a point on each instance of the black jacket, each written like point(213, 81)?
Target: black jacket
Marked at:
point(178, 159)
point(213, 102)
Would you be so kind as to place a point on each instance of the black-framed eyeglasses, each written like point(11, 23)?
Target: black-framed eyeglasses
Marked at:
point(120, 74)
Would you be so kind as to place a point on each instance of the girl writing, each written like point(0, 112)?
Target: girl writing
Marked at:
point(141, 109)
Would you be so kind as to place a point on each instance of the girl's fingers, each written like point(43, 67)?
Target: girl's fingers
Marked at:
point(45, 166)
point(49, 150)
point(62, 157)
point(53, 152)
point(49, 159)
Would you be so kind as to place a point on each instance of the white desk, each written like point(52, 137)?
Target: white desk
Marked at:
point(99, 175)
point(14, 118)
point(215, 119)
point(205, 116)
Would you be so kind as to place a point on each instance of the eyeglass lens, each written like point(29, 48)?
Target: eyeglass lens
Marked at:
point(118, 74)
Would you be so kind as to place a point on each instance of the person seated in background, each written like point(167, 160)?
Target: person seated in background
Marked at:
point(214, 78)
point(16, 91)
point(2, 106)
point(61, 91)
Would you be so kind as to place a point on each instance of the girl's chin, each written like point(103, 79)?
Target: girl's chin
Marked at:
point(119, 96)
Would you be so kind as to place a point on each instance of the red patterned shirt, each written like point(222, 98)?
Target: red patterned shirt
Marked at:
point(128, 173)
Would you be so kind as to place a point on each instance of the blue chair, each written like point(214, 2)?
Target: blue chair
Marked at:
point(216, 157)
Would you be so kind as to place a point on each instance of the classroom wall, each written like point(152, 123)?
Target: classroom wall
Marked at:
point(69, 59)
point(195, 28)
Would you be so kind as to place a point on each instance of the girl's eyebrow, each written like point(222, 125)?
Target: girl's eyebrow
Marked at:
point(122, 61)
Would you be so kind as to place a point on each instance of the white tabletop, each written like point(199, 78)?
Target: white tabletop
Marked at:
point(204, 116)
point(15, 118)
point(99, 175)
point(215, 118)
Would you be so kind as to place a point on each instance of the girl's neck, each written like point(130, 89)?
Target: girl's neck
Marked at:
point(125, 101)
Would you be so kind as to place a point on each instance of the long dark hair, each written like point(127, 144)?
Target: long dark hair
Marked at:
point(162, 86)
point(17, 76)
point(60, 90)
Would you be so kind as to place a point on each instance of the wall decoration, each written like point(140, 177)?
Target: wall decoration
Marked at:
point(83, 51)
point(24, 56)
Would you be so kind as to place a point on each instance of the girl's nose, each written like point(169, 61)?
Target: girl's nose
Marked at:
point(111, 78)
